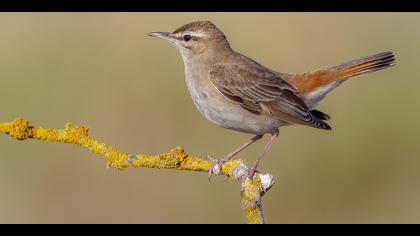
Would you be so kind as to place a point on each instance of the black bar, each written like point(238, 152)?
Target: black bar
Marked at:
point(210, 6)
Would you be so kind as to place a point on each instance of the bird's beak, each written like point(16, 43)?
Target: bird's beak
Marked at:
point(162, 35)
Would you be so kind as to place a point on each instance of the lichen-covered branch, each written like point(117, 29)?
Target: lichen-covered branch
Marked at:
point(252, 189)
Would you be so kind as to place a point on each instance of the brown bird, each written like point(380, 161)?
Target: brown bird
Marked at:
point(236, 92)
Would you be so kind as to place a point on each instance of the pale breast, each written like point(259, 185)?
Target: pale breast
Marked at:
point(221, 111)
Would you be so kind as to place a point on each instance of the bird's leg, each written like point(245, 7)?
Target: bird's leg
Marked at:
point(254, 166)
point(218, 162)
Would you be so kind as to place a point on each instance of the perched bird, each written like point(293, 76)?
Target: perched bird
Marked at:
point(238, 93)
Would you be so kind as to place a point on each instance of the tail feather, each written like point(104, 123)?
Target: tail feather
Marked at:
point(314, 80)
point(364, 65)
point(313, 86)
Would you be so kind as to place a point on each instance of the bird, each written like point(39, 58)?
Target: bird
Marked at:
point(238, 93)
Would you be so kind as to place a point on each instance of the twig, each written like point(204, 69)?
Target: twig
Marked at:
point(252, 189)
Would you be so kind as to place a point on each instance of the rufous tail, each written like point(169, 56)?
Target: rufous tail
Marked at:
point(313, 80)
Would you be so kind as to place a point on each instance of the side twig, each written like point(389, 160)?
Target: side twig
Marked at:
point(252, 189)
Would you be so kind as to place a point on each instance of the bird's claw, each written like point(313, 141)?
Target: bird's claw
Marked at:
point(216, 167)
point(248, 174)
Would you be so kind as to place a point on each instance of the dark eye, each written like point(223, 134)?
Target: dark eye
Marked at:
point(187, 37)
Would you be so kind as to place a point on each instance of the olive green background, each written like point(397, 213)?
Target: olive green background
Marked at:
point(102, 71)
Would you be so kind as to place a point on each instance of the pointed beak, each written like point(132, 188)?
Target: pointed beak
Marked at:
point(162, 35)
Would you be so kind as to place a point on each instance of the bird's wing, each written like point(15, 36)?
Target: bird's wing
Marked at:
point(256, 88)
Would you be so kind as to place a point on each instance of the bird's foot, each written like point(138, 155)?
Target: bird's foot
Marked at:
point(216, 166)
point(248, 174)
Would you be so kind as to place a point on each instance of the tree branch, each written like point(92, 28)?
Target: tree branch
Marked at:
point(252, 189)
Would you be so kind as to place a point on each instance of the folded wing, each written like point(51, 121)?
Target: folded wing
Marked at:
point(258, 89)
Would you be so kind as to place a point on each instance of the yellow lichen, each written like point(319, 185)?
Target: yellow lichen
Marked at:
point(19, 129)
point(251, 200)
point(177, 158)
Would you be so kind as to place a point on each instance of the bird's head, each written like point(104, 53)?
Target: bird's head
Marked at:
point(196, 39)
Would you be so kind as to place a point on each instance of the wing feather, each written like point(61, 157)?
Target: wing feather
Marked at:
point(256, 88)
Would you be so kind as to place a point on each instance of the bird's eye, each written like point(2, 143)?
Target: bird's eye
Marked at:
point(187, 37)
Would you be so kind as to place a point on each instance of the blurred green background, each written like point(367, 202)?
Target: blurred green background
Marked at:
point(102, 71)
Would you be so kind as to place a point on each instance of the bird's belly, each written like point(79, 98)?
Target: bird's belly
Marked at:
point(225, 113)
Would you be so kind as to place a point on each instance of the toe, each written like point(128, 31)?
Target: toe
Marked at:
point(215, 167)
point(210, 175)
